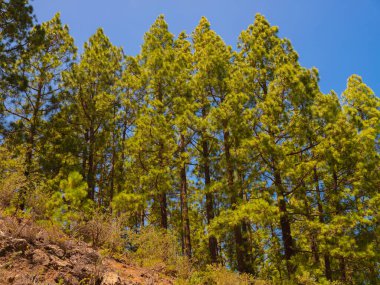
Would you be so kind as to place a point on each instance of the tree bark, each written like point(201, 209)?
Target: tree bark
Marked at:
point(326, 256)
point(91, 164)
point(212, 241)
point(162, 192)
point(163, 210)
point(184, 209)
point(184, 205)
point(31, 143)
point(287, 238)
point(242, 265)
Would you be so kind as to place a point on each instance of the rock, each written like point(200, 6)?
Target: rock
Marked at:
point(91, 255)
point(85, 254)
point(41, 236)
point(69, 244)
point(40, 257)
point(23, 279)
point(65, 278)
point(5, 249)
point(111, 278)
point(59, 263)
point(82, 271)
point(20, 244)
point(36, 258)
point(55, 250)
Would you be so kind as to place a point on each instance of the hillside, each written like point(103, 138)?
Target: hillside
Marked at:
point(31, 255)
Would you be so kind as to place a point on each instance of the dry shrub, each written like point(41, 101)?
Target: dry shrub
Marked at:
point(36, 201)
point(30, 230)
point(103, 231)
point(157, 249)
point(21, 228)
point(305, 278)
point(52, 233)
point(9, 187)
point(219, 275)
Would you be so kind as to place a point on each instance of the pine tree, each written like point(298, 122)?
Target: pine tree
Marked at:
point(16, 20)
point(183, 116)
point(153, 144)
point(283, 94)
point(30, 110)
point(89, 108)
point(213, 70)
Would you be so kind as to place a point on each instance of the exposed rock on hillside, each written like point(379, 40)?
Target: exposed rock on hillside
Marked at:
point(31, 255)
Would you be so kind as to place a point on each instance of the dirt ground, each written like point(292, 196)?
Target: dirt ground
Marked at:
point(30, 255)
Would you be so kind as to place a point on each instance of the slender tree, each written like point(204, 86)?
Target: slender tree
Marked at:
point(153, 143)
point(29, 110)
point(90, 108)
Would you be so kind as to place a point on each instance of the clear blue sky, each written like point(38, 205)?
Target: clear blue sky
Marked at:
point(339, 37)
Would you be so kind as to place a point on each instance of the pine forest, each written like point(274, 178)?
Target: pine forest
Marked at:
point(205, 158)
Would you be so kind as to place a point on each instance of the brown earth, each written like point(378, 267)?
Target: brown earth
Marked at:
point(30, 254)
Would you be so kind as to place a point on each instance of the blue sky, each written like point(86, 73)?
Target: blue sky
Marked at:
point(339, 37)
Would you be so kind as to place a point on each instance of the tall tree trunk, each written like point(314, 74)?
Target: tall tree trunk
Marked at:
point(185, 215)
point(313, 236)
point(162, 192)
point(287, 238)
point(321, 216)
point(31, 143)
point(242, 266)
point(246, 229)
point(339, 209)
point(163, 210)
point(114, 158)
point(91, 164)
point(112, 175)
point(184, 205)
point(121, 171)
point(328, 271)
point(212, 241)
point(342, 269)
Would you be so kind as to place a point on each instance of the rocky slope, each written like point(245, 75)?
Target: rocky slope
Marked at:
point(32, 255)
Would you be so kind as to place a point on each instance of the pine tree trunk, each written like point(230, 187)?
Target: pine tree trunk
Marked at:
point(246, 230)
point(31, 144)
point(239, 242)
point(113, 159)
point(313, 234)
point(162, 192)
point(328, 271)
point(163, 210)
point(91, 164)
point(212, 241)
point(121, 170)
point(287, 238)
point(326, 256)
point(342, 269)
point(184, 205)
